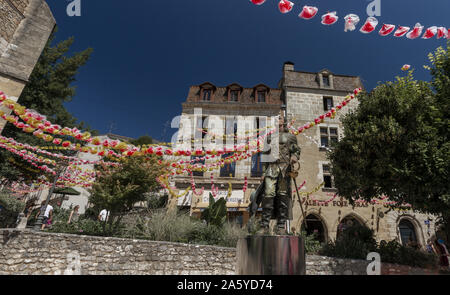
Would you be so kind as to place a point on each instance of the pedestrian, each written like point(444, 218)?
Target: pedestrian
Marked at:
point(74, 215)
point(104, 215)
point(440, 250)
point(47, 211)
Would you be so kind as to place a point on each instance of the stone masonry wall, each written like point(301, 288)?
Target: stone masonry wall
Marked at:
point(28, 252)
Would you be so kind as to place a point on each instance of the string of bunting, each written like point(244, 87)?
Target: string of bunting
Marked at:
point(369, 26)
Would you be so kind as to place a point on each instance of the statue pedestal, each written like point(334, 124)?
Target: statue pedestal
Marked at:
point(271, 255)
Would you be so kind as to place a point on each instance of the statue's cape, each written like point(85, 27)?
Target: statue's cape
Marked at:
point(256, 199)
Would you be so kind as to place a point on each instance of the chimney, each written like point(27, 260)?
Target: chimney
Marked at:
point(288, 66)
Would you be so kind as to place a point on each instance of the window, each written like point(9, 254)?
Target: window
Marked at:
point(407, 233)
point(327, 179)
point(257, 168)
point(326, 80)
point(327, 136)
point(206, 94)
point(234, 95)
point(327, 103)
point(228, 170)
point(261, 96)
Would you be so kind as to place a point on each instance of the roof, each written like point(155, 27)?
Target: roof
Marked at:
point(301, 79)
point(66, 191)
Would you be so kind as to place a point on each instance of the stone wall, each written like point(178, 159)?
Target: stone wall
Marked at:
point(28, 252)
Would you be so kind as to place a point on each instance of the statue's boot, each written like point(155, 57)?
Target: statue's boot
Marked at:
point(268, 207)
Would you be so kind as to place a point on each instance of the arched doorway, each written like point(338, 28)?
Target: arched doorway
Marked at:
point(347, 222)
point(315, 227)
point(407, 233)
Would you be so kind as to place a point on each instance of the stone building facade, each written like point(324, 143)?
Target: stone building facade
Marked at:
point(301, 97)
point(215, 117)
point(25, 28)
point(309, 95)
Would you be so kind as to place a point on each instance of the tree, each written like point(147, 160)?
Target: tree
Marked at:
point(143, 140)
point(118, 189)
point(50, 86)
point(396, 142)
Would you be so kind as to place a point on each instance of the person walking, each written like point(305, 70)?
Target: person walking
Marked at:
point(74, 215)
point(440, 250)
point(47, 211)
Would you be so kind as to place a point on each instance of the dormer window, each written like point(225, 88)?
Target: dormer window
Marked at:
point(206, 95)
point(234, 95)
point(207, 91)
point(261, 96)
point(326, 80)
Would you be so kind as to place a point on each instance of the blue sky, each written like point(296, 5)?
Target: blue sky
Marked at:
point(148, 52)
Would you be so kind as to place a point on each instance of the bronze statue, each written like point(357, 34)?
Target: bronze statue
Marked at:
point(274, 194)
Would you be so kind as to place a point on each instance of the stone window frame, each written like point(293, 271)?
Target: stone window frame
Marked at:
point(417, 228)
point(321, 176)
point(329, 75)
point(328, 127)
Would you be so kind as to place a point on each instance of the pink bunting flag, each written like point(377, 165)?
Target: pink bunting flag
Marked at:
point(285, 6)
point(442, 32)
point(386, 30)
point(401, 31)
point(416, 32)
point(308, 12)
point(369, 26)
point(351, 21)
point(329, 18)
point(258, 2)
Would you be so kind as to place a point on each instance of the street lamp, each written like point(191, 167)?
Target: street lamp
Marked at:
point(61, 169)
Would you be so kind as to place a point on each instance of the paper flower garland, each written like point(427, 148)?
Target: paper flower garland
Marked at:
point(369, 26)
point(351, 21)
point(416, 32)
point(430, 32)
point(386, 30)
point(329, 18)
point(401, 31)
point(285, 6)
point(258, 2)
point(308, 12)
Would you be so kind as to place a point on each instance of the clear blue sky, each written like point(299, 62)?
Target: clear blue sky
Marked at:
point(148, 52)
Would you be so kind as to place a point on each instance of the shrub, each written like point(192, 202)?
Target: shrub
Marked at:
point(357, 241)
point(11, 207)
point(393, 252)
point(312, 245)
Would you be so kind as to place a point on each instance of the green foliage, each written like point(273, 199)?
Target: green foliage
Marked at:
point(11, 207)
point(49, 87)
point(357, 241)
point(312, 245)
point(216, 213)
point(396, 142)
point(393, 252)
point(155, 201)
point(118, 189)
point(143, 140)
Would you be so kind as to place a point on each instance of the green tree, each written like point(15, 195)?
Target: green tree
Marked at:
point(143, 140)
point(50, 86)
point(118, 189)
point(396, 142)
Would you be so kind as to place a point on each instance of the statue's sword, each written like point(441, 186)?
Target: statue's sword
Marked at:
point(293, 176)
point(300, 202)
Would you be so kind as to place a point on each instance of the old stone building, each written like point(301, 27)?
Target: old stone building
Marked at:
point(25, 28)
point(301, 97)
